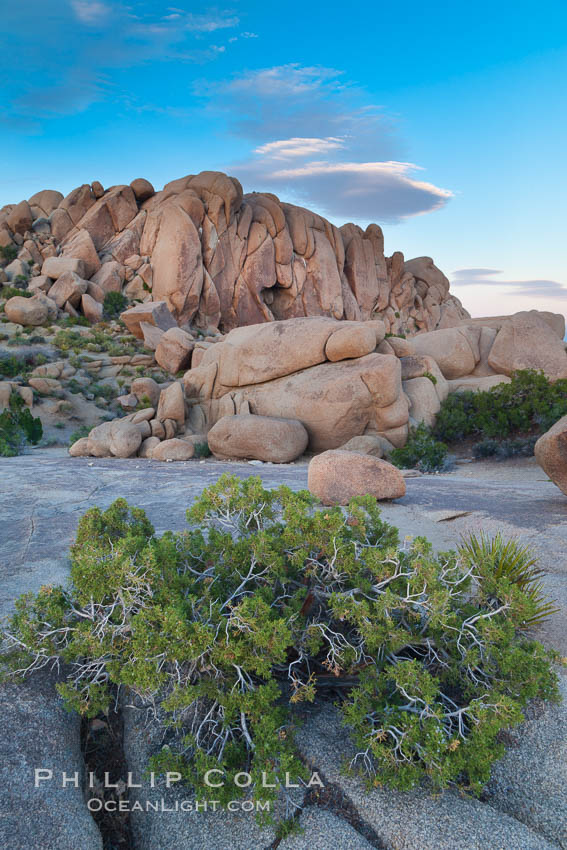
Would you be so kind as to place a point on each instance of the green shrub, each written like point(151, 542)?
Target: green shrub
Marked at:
point(79, 433)
point(12, 291)
point(421, 451)
point(20, 281)
point(202, 449)
point(496, 561)
point(529, 403)
point(8, 253)
point(266, 602)
point(114, 304)
point(18, 426)
point(502, 449)
point(431, 377)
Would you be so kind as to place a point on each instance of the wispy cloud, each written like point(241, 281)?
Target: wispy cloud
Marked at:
point(319, 141)
point(90, 11)
point(63, 55)
point(491, 277)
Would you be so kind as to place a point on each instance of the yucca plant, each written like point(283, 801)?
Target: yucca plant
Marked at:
point(495, 558)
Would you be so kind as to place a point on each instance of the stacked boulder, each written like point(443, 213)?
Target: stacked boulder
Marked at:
point(217, 257)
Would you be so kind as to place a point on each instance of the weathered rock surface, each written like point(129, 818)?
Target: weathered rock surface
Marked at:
point(527, 341)
point(258, 437)
point(153, 313)
point(172, 449)
point(455, 350)
point(551, 453)
point(219, 257)
point(173, 352)
point(37, 733)
point(26, 311)
point(416, 819)
point(335, 477)
point(368, 444)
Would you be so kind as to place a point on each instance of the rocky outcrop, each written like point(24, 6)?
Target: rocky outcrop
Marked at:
point(281, 370)
point(222, 258)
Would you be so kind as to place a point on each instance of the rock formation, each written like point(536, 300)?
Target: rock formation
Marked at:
point(218, 257)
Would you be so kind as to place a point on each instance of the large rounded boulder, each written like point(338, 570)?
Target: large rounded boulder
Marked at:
point(337, 476)
point(264, 438)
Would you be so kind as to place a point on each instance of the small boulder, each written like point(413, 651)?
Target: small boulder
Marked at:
point(528, 342)
point(351, 340)
point(146, 387)
point(155, 313)
point(424, 401)
point(80, 448)
point(142, 189)
point(69, 287)
point(172, 449)
point(172, 404)
point(99, 440)
point(336, 477)
point(152, 335)
point(264, 438)
point(20, 218)
point(125, 438)
point(54, 267)
point(26, 311)
point(551, 453)
point(92, 310)
point(174, 350)
point(147, 446)
point(109, 277)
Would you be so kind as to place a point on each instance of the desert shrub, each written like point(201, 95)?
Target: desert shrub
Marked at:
point(421, 451)
point(79, 433)
point(11, 366)
point(497, 560)
point(267, 601)
point(529, 403)
point(17, 427)
point(12, 291)
point(20, 281)
point(502, 449)
point(69, 340)
point(202, 449)
point(431, 377)
point(114, 304)
point(8, 253)
point(104, 391)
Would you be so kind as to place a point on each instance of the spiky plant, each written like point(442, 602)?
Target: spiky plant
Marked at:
point(496, 559)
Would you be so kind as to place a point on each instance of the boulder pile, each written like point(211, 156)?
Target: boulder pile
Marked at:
point(218, 257)
point(273, 390)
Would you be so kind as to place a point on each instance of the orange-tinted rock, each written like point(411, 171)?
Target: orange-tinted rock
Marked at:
point(336, 477)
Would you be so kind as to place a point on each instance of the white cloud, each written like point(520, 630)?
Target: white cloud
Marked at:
point(286, 148)
point(318, 141)
point(90, 11)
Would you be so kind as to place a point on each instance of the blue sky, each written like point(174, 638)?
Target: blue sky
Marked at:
point(445, 122)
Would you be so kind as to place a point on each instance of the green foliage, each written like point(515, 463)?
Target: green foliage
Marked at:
point(18, 426)
point(431, 377)
point(421, 451)
point(20, 281)
point(202, 449)
point(502, 449)
point(79, 433)
point(114, 304)
point(102, 391)
point(529, 403)
point(265, 602)
point(12, 291)
point(12, 366)
point(8, 253)
point(496, 561)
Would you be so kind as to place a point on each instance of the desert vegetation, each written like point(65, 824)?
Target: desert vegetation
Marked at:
point(268, 601)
